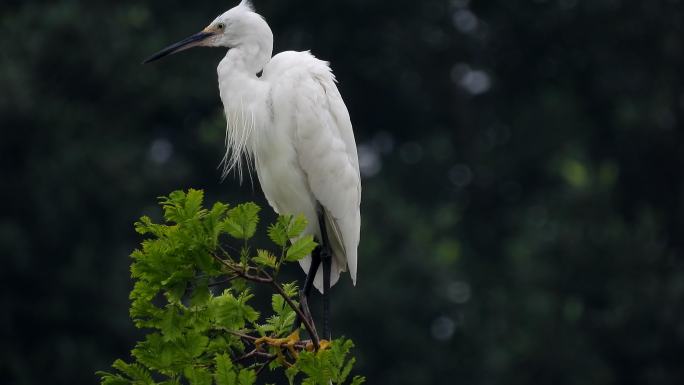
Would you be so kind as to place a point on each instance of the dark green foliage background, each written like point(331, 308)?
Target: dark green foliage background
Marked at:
point(530, 233)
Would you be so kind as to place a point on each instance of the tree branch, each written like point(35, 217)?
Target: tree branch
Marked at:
point(244, 273)
point(301, 345)
point(307, 322)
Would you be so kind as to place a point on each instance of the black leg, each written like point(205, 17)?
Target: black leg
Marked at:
point(311, 274)
point(327, 264)
point(326, 259)
point(321, 254)
point(305, 292)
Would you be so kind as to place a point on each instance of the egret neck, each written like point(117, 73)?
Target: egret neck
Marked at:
point(243, 95)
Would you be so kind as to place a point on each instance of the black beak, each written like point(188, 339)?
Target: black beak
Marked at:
point(180, 46)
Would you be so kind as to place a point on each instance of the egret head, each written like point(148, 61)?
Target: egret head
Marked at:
point(239, 26)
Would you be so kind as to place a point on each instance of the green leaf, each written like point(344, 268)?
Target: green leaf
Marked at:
point(264, 258)
point(279, 325)
point(233, 228)
point(212, 222)
point(316, 366)
point(219, 344)
point(286, 227)
point(205, 262)
point(172, 206)
point(325, 366)
point(171, 324)
point(197, 375)
point(193, 202)
point(136, 372)
point(145, 226)
point(281, 322)
point(232, 313)
point(112, 379)
point(194, 344)
point(290, 373)
point(176, 292)
point(338, 353)
point(347, 368)
point(246, 377)
point(296, 226)
point(291, 289)
point(278, 303)
point(200, 295)
point(180, 206)
point(173, 381)
point(225, 374)
point(242, 221)
point(300, 248)
point(278, 230)
point(153, 352)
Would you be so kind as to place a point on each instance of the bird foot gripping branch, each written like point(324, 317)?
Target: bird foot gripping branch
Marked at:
point(288, 342)
point(293, 345)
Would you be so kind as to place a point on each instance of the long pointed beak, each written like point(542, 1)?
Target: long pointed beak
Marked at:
point(184, 44)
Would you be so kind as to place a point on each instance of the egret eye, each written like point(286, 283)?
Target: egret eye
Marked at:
point(220, 25)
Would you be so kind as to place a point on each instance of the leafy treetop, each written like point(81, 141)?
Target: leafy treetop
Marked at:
point(194, 298)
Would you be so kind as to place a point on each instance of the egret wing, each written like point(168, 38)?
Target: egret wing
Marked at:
point(326, 152)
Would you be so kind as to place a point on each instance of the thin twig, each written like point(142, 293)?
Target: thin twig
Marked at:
point(223, 281)
point(254, 353)
point(261, 369)
point(240, 272)
point(228, 246)
point(245, 356)
point(242, 335)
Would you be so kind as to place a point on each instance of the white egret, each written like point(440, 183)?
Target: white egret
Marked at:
point(292, 126)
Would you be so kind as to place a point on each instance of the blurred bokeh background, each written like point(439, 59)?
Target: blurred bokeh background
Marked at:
point(523, 207)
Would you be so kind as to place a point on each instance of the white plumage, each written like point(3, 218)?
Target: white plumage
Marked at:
point(292, 124)
point(319, 168)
